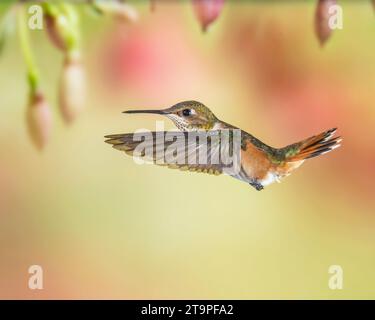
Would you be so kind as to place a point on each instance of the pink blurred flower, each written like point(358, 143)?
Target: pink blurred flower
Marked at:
point(207, 11)
point(135, 61)
point(39, 120)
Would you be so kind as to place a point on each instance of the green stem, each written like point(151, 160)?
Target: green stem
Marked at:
point(32, 70)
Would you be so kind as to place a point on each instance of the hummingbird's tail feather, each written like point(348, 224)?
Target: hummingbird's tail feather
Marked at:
point(312, 147)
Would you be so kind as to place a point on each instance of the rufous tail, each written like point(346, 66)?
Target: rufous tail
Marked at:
point(313, 146)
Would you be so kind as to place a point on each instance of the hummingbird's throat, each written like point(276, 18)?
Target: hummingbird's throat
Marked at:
point(179, 122)
point(185, 125)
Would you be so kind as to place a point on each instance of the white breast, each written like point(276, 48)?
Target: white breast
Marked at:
point(271, 177)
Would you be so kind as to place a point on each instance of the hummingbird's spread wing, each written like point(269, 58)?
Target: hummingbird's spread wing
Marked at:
point(193, 151)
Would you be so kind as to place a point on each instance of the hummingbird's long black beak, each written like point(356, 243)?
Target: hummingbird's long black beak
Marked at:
point(163, 112)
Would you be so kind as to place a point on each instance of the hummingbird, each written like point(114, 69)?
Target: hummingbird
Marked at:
point(260, 164)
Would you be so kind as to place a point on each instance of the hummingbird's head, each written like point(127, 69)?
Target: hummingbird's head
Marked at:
point(186, 115)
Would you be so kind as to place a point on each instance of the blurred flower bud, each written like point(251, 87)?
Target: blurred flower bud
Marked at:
point(322, 16)
point(72, 94)
point(153, 5)
point(53, 27)
point(207, 11)
point(122, 11)
point(39, 119)
point(62, 26)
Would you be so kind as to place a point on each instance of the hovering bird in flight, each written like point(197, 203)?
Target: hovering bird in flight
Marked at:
point(259, 164)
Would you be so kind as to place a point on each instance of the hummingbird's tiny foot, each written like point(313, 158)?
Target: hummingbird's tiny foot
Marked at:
point(258, 186)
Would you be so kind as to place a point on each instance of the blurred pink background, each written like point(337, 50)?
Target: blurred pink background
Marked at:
point(103, 227)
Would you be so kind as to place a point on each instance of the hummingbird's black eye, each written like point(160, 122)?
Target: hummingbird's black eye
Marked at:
point(186, 112)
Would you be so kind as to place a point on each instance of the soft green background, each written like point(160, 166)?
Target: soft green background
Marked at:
point(103, 227)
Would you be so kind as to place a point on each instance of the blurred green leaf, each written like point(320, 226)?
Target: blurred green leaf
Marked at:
point(7, 27)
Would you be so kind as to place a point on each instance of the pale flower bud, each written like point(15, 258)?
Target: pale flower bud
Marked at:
point(322, 16)
point(72, 94)
point(207, 11)
point(62, 25)
point(54, 25)
point(122, 11)
point(39, 120)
